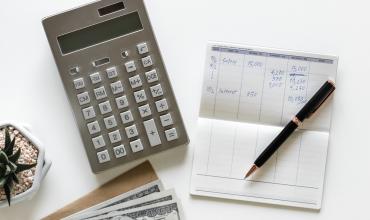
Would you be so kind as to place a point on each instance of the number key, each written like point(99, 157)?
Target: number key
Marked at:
point(122, 102)
point(119, 151)
point(89, 113)
point(114, 136)
point(110, 122)
point(98, 142)
point(103, 156)
point(93, 127)
point(131, 131)
point(127, 117)
point(105, 107)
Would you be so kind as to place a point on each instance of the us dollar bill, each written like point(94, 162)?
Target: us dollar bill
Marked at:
point(155, 198)
point(142, 191)
point(170, 210)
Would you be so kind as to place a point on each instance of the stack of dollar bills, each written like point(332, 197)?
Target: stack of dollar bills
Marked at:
point(148, 202)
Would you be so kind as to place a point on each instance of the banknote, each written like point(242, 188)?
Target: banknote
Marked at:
point(145, 190)
point(169, 210)
point(154, 198)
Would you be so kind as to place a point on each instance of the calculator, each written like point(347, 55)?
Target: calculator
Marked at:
point(116, 82)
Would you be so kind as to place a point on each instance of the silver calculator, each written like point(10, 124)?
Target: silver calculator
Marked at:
point(116, 81)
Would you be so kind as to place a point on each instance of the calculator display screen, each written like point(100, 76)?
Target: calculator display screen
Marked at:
point(99, 33)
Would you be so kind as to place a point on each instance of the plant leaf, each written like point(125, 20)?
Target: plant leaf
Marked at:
point(7, 188)
point(10, 149)
point(7, 139)
point(2, 182)
point(12, 166)
point(15, 156)
point(15, 178)
point(23, 167)
point(3, 158)
point(2, 170)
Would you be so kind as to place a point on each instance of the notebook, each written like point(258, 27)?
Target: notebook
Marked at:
point(249, 94)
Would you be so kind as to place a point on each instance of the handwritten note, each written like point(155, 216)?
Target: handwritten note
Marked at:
point(249, 94)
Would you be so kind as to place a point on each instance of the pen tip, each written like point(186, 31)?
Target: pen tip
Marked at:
point(251, 171)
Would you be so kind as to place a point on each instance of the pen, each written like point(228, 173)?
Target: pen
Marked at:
point(308, 109)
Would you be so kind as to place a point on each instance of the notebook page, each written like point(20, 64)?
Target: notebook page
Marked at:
point(259, 85)
point(248, 95)
point(224, 151)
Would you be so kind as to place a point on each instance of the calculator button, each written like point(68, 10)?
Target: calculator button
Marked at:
point(98, 142)
point(166, 120)
point(100, 93)
point(131, 131)
point(135, 81)
point(110, 122)
point(152, 133)
point(147, 61)
point(151, 76)
point(83, 98)
point(119, 151)
point(93, 127)
point(125, 54)
point(142, 48)
point(75, 70)
point(171, 134)
point(116, 87)
point(161, 105)
point(130, 66)
point(103, 156)
point(136, 146)
point(121, 102)
point(105, 107)
point(145, 110)
point(127, 117)
point(95, 78)
point(156, 90)
point(115, 136)
point(140, 96)
point(89, 113)
point(112, 72)
point(79, 83)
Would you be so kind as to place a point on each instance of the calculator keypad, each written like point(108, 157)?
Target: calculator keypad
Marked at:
point(126, 110)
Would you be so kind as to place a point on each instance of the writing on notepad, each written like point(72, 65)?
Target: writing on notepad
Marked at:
point(248, 94)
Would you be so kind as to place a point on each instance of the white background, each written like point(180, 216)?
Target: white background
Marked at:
point(31, 91)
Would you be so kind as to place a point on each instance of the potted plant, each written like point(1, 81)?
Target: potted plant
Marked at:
point(22, 164)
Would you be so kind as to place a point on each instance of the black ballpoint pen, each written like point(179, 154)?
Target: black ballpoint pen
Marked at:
point(308, 109)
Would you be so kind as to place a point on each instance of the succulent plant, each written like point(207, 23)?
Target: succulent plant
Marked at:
point(9, 167)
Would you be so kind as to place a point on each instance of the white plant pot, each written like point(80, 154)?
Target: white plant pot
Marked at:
point(41, 170)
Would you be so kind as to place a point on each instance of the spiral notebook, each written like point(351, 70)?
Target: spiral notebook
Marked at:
point(248, 96)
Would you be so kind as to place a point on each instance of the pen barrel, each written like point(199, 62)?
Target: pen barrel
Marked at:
point(316, 101)
point(276, 143)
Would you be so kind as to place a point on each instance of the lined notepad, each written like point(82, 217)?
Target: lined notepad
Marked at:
point(248, 96)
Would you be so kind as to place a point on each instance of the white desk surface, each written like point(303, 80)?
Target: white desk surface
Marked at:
point(31, 91)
